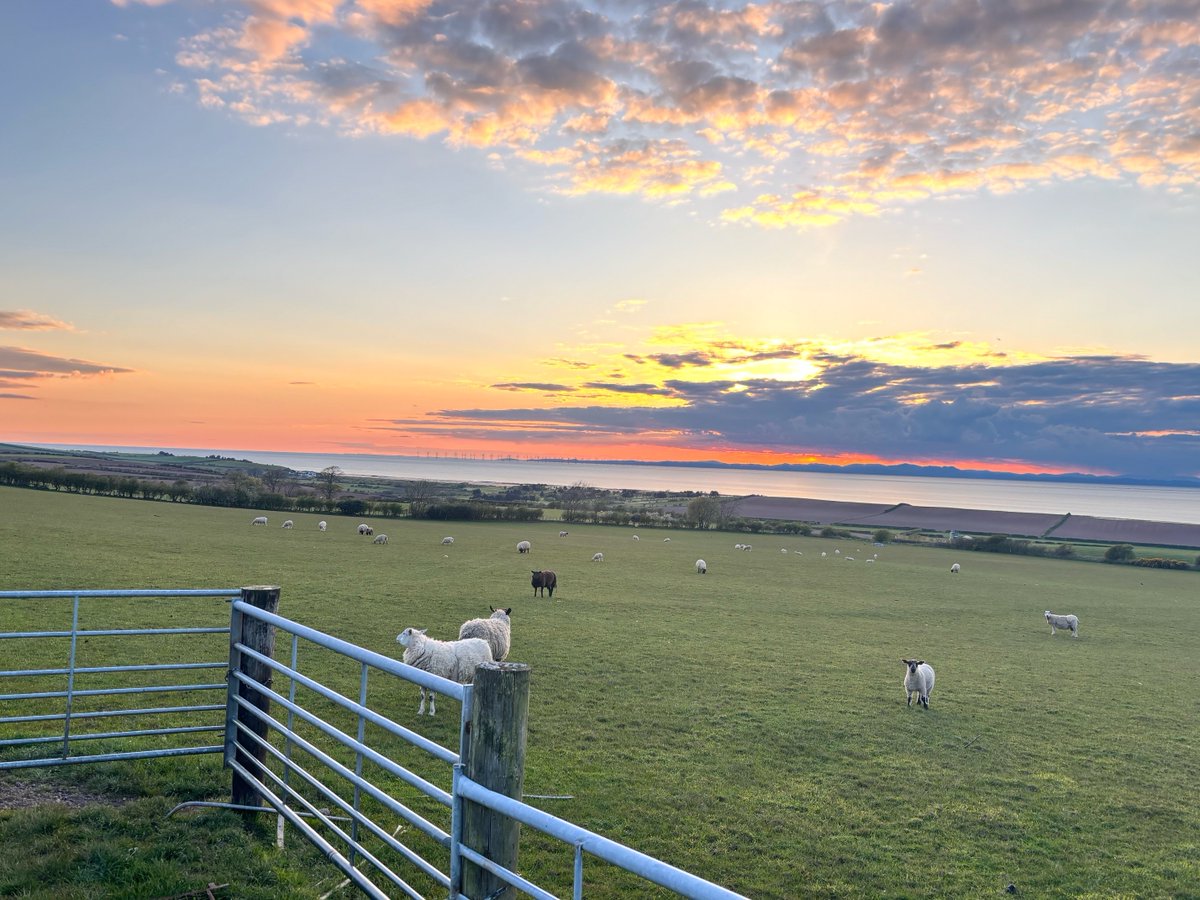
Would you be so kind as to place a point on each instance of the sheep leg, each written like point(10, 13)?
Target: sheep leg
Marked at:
point(909, 693)
point(925, 700)
point(421, 708)
point(432, 703)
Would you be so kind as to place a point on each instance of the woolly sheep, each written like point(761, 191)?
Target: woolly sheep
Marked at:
point(955, 568)
point(823, 554)
point(497, 631)
point(739, 546)
point(562, 534)
point(701, 567)
point(1068, 622)
point(447, 540)
point(261, 520)
point(524, 547)
point(636, 538)
point(666, 540)
point(597, 557)
point(364, 528)
point(380, 539)
point(289, 524)
point(455, 660)
point(747, 547)
point(783, 549)
point(543, 580)
point(918, 679)
point(322, 525)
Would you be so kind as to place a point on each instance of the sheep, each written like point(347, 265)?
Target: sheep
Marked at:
point(636, 538)
point(322, 525)
point(1069, 622)
point(380, 539)
point(497, 631)
point(783, 549)
point(955, 568)
point(544, 580)
point(597, 557)
point(455, 660)
point(447, 540)
point(666, 540)
point(701, 567)
point(563, 533)
point(289, 524)
point(918, 679)
point(739, 546)
point(364, 528)
point(823, 554)
point(260, 520)
point(747, 547)
point(524, 547)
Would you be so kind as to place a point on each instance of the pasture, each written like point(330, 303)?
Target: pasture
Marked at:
point(748, 725)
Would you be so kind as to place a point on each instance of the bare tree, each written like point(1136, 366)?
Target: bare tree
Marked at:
point(327, 480)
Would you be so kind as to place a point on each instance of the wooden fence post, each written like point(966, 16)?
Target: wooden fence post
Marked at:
point(258, 636)
point(496, 760)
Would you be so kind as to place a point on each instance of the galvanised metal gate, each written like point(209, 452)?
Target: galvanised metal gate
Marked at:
point(66, 681)
point(328, 723)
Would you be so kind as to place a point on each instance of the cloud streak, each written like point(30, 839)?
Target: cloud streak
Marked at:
point(27, 320)
point(773, 114)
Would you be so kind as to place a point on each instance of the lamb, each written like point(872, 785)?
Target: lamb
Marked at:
point(497, 631)
point(322, 525)
point(455, 660)
point(597, 557)
point(524, 547)
point(1068, 622)
point(544, 580)
point(289, 524)
point(447, 540)
point(380, 539)
point(918, 679)
point(701, 567)
point(955, 568)
point(261, 520)
point(364, 528)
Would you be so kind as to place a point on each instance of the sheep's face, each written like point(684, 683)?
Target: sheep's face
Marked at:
point(405, 637)
point(1048, 614)
point(912, 664)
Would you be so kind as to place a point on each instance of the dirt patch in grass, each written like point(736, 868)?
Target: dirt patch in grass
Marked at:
point(17, 794)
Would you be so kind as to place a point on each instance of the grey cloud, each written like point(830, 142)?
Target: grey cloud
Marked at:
point(28, 320)
point(621, 388)
point(532, 386)
point(36, 364)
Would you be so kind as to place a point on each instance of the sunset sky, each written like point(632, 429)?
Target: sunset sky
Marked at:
point(938, 232)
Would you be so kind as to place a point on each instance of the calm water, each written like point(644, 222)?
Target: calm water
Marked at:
point(1161, 504)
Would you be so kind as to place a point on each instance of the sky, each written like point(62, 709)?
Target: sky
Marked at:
point(932, 231)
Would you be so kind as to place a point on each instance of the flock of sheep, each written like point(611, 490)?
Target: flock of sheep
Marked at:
point(488, 640)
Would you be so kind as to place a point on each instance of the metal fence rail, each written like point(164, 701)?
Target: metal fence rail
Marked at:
point(71, 692)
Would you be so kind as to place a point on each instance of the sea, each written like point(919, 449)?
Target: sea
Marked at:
point(1111, 501)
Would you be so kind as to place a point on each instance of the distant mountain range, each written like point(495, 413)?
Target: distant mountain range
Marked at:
point(905, 469)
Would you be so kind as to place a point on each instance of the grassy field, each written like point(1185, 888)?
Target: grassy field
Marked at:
point(748, 725)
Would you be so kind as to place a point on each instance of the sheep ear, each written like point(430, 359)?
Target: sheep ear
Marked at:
point(492, 608)
point(508, 611)
point(420, 630)
point(920, 662)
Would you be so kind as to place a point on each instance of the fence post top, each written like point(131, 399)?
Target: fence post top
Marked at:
point(261, 587)
point(514, 667)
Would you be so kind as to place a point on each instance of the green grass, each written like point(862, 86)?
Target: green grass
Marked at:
point(748, 725)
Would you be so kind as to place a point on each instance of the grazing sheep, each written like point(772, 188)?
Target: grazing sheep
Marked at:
point(666, 540)
point(1068, 622)
point(597, 557)
point(739, 546)
point(838, 552)
point(524, 547)
point(364, 528)
point(380, 539)
point(747, 547)
point(447, 540)
point(289, 524)
point(955, 568)
point(783, 549)
point(636, 538)
point(322, 525)
point(562, 534)
point(701, 567)
point(497, 631)
point(918, 679)
point(544, 580)
point(261, 520)
point(455, 660)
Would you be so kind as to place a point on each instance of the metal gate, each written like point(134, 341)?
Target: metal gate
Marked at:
point(362, 788)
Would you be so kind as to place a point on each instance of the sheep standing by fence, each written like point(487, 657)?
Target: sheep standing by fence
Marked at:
point(918, 679)
point(1069, 623)
point(497, 631)
point(455, 660)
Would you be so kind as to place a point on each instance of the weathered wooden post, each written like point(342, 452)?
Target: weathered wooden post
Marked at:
point(259, 636)
point(496, 760)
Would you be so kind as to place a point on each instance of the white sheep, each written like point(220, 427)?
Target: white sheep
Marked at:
point(260, 520)
point(455, 660)
point(666, 540)
point(783, 549)
point(322, 525)
point(289, 524)
point(1068, 622)
point(524, 547)
point(364, 528)
point(562, 534)
point(823, 554)
point(380, 539)
point(918, 679)
point(597, 557)
point(497, 631)
point(447, 540)
point(636, 538)
point(747, 547)
point(701, 567)
point(739, 546)
point(955, 568)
